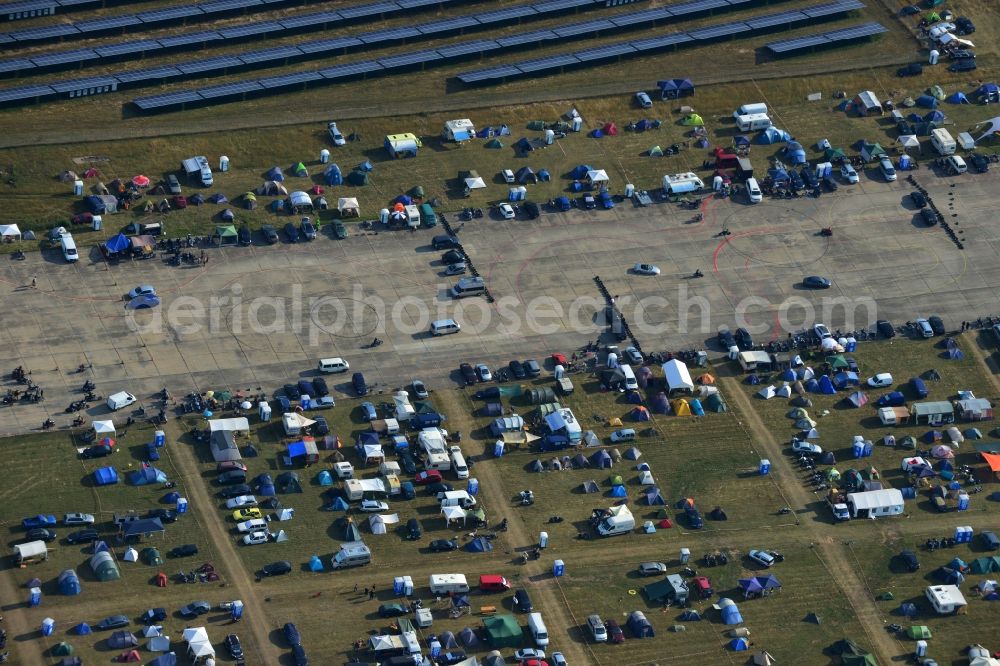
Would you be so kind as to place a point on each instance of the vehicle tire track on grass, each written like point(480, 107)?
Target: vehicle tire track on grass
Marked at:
point(215, 530)
point(832, 555)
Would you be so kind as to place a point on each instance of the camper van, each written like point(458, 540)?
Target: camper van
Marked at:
point(457, 498)
point(197, 168)
point(412, 216)
point(943, 142)
point(458, 463)
point(682, 183)
point(750, 109)
point(444, 327)
point(469, 286)
point(442, 584)
point(536, 627)
point(753, 122)
point(630, 382)
point(427, 215)
point(68, 248)
point(351, 555)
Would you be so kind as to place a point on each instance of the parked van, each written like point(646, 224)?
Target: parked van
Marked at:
point(444, 327)
point(536, 627)
point(457, 498)
point(630, 382)
point(753, 122)
point(492, 583)
point(623, 435)
point(68, 248)
point(990, 540)
point(956, 165)
point(753, 191)
point(336, 364)
point(427, 215)
point(597, 629)
point(748, 109)
point(351, 555)
point(468, 286)
point(458, 463)
point(442, 584)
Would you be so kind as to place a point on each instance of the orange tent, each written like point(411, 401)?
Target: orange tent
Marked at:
point(993, 460)
point(706, 379)
point(130, 656)
point(161, 579)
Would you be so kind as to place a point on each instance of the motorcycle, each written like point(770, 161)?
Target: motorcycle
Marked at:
point(47, 423)
point(375, 343)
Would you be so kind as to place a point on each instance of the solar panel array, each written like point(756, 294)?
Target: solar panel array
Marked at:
point(826, 38)
point(341, 73)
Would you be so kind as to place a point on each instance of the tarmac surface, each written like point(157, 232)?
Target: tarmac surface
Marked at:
point(254, 318)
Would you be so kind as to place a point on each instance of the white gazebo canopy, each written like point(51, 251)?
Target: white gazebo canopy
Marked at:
point(10, 231)
point(598, 176)
point(475, 183)
point(104, 427)
point(909, 141)
point(348, 204)
point(453, 513)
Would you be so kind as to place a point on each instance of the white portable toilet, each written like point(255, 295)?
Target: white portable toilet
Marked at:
point(921, 648)
point(577, 124)
point(224, 163)
point(543, 539)
point(934, 57)
point(717, 183)
point(629, 190)
point(685, 555)
point(97, 222)
point(424, 618)
point(550, 137)
point(78, 188)
point(383, 216)
point(324, 156)
point(264, 411)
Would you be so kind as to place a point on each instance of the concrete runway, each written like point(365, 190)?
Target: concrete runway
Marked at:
point(390, 284)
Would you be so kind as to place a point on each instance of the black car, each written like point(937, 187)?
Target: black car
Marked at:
point(291, 633)
point(522, 602)
point(444, 241)
point(725, 338)
point(829, 183)
point(743, 339)
point(816, 282)
point(452, 257)
point(439, 487)
point(531, 368)
point(195, 608)
point(235, 491)
point(937, 325)
point(299, 656)
point(359, 384)
point(41, 534)
point(918, 199)
point(407, 463)
point(306, 388)
point(964, 25)
point(531, 209)
point(517, 369)
point(292, 391)
point(233, 476)
point(913, 69)
point(82, 536)
point(165, 515)
point(153, 615)
point(186, 550)
point(928, 216)
point(885, 328)
point(962, 66)
point(276, 568)
point(232, 644)
point(468, 373)
point(451, 657)
point(112, 622)
point(292, 233)
point(319, 387)
point(243, 235)
point(909, 560)
point(443, 545)
point(979, 162)
point(321, 428)
point(98, 451)
point(339, 230)
point(270, 235)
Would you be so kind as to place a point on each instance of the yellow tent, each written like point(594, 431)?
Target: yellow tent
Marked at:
point(615, 422)
point(692, 119)
point(681, 407)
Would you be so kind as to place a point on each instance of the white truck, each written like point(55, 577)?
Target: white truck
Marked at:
point(943, 142)
point(448, 584)
point(197, 169)
point(838, 505)
point(617, 520)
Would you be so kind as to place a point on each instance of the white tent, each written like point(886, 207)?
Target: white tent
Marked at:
point(237, 424)
point(475, 183)
point(152, 630)
point(348, 206)
point(286, 513)
point(994, 128)
point(677, 377)
point(909, 141)
point(767, 392)
point(829, 344)
point(646, 478)
point(159, 644)
point(10, 231)
point(785, 391)
point(199, 646)
point(130, 555)
point(451, 513)
point(281, 536)
point(104, 427)
point(597, 176)
point(378, 522)
point(374, 454)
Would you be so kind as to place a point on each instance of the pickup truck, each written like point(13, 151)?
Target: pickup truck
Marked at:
point(838, 506)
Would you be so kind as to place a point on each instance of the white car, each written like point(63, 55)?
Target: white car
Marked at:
point(241, 501)
point(806, 447)
point(483, 372)
point(507, 211)
point(848, 173)
point(881, 380)
point(142, 290)
point(753, 191)
point(821, 331)
point(645, 269)
point(528, 653)
point(78, 519)
point(254, 538)
point(888, 171)
point(761, 557)
point(251, 525)
point(925, 328)
point(335, 135)
point(373, 506)
point(558, 659)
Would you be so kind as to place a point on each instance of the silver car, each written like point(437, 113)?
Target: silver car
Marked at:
point(652, 568)
point(456, 269)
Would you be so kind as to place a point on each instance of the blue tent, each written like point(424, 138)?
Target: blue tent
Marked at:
point(105, 476)
point(479, 545)
point(987, 89)
point(601, 459)
point(340, 504)
point(660, 404)
point(654, 497)
point(696, 408)
point(826, 386)
point(82, 629)
point(544, 176)
point(167, 659)
point(324, 478)
point(170, 498)
point(927, 102)
point(934, 116)
point(596, 134)
point(845, 379)
point(632, 453)
point(957, 98)
point(634, 398)
point(315, 564)
point(618, 491)
point(949, 576)
point(795, 155)
point(146, 475)
point(118, 243)
point(908, 610)
point(730, 613)
point(100, 547)
point(579, 172)
point(674, 88)
point(690, 615)
point(753, 380)
point(332, 175)
point(275, 174)
point(639, 413)
point(772, 135)
point(639, 625)
point(893, 399)
point(365, 166)
point(812, 385)
point(788, 375)
point(403, 199)
point(69, 583)
point(739, 644)
point(778, 175)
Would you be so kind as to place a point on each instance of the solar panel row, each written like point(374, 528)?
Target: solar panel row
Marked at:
point(826, 38)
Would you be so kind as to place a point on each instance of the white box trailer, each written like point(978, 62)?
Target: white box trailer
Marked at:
point(875, 503)
point(355, 489)
point(33, 551)
point(448, 584)
point(943, 142)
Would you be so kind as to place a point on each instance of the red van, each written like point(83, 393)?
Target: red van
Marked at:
point(703, 587)
point(493, 584)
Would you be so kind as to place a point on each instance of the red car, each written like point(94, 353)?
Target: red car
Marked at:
point(230, 466)
point(615, 633)
point(427, 476)
point(180, 202)
point(82, 218)
point(559, 359)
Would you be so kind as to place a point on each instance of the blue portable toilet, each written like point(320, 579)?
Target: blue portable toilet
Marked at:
point(963, 534)
point(435, 649)
point(315, 564)
point(36, 596)
point(159, 438)
point(851, 345)
point(558, 568)
point(182, 505)
point(963, 502)
point(48, 626)
point(498, 448)
point(237, 611)
point(306, 402)
point(858, 449)
point(909, 493)
point(869, 447)
point(764, 468)
point(473, 488)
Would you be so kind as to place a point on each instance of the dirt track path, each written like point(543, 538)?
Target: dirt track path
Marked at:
point(217, 532)
point(833, 555)
point(15, 625)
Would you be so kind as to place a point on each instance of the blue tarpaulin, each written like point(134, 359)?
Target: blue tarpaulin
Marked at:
point(118, 243)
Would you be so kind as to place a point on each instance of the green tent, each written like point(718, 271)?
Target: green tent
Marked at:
point(503, 631)
point(937, 92)
point(656, 151)
point(858, 660)
point(616, 480)
point(837, 362)
point(151, 556)
point(715, 403)
point(358, 178)
point(537, 125)
point(417, 192)
point(226, 234)
point(104, 566)
point(985, 565)
point(477, 514)
point(917, 632)
point(62, 649)
point(494, 143)
point(834, 154)
point(852, 654)
point(301, 170)
point(692, 119)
